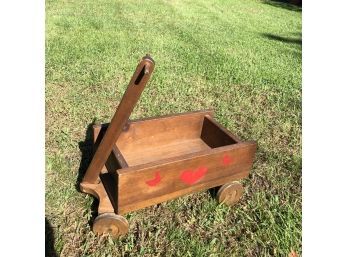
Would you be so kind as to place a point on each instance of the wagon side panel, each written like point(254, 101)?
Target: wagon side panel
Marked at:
point(146, 185)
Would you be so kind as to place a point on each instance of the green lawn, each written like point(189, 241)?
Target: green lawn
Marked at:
point(241, 58)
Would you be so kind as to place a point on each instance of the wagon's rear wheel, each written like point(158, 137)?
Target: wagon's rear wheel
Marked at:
point(230, 193)
point(110, 223)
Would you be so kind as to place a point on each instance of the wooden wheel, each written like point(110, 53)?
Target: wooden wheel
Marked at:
point(230, 193)
point(110, 223)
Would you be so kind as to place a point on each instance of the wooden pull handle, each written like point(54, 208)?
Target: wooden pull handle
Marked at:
point(130, 98)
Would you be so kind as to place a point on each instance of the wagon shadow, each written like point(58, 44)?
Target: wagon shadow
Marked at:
point(86, 148)
point(49, 240)
point(283, 39)
point(286, 4)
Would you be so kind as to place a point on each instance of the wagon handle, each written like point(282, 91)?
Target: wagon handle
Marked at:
point(130, 98)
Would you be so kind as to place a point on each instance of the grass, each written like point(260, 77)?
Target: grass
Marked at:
point(241, 58)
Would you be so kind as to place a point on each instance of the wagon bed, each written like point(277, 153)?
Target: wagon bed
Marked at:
point(153, 160)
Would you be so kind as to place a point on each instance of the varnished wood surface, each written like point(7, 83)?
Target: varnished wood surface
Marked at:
point(149, 158)
point(134, 192)
point(133, 206)
point(148, 161)
point(221, 128)
point(170, 136)
point(230, 193)
point(115, 160)
point(120, 118)
point(98, 133)
point(110, 223)
point(214, 135)
point(98, 191)
point(159, 131)
point(157, 138)
point(151, 153)
point(119, 156)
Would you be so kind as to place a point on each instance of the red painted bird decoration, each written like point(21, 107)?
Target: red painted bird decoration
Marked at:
point(155, 181)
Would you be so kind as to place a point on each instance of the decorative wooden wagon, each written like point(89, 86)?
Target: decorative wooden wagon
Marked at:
point(148, 161)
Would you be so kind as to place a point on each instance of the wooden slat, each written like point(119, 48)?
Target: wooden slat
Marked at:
point(150, 152)
point(185, 191)
point(98, 133)
point(221, 164)
point(117, 153)
point(159, 131)
point(109, 181)
point(115, 160)
point(216, 135)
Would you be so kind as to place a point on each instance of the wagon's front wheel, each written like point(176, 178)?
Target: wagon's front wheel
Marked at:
point(230, 193)
point(110, 223)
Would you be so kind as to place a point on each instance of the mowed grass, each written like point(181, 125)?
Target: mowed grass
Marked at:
point(241, 58)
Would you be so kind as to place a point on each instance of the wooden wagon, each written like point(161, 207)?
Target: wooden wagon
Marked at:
point(148, 161)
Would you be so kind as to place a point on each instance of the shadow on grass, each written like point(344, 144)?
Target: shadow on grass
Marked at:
point(283, 39)
point(86, 148)
point(49, 240)
point(291, 5)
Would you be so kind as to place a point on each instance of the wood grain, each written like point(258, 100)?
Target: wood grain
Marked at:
point(98, 191)
point(111, 224)
point(159, 131)
point(148, 161)
point(115, 160)
point(98, 133)
point(134, 193)
point(120, 118)
point(215, 135)
point(151, 153)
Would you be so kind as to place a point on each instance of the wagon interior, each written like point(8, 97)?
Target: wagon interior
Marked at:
point(157, 139)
